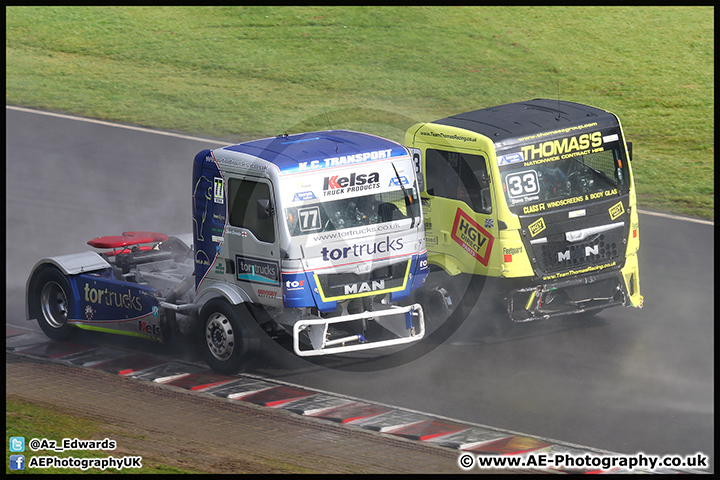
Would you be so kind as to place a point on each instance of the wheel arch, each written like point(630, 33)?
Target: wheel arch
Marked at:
point(233, 294)
point(450, 265)
point(68, 265)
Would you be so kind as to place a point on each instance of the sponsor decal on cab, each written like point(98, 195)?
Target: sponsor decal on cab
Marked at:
point(472, 237)
point(257, 271)
point(349, 159)
point(537, 226)
point(358, 250)
point(335, 184)
point(616, 210)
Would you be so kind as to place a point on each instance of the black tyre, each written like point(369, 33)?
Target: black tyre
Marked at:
point(440, 296)
point(227, 336)
point(49, 301)
point(438, 300)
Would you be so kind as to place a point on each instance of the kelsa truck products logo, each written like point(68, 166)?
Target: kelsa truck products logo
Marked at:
point(472, 237)
point(336, 184)
point(257, 271)
point(110, 298)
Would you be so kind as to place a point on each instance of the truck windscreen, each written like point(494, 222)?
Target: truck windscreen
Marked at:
point(327, 216)
point(553, 171)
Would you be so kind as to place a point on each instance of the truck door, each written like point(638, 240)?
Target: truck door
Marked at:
point(460, 207)
point(252, 238)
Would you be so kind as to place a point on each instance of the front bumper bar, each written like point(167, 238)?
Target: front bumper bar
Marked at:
point(534, 302)
point(406, 323)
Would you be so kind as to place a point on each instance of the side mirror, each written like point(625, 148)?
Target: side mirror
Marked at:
point(264, 209)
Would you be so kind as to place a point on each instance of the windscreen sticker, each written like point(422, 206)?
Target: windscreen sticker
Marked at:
point(309, 219)
point(511, 158)
point(337, 184)
point(616, 210)
point(536, 227)
point(611, 138)
point(397, 181)
point(472, 237)
point(219, 190)
point(523, 186)
point(540, 207)
point(563, 148)
point(304, 196)
point(348, 182)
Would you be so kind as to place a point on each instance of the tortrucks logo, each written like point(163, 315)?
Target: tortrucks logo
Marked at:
point(387, 246)
point(257, 271)
point(472, 237)
point(336, 184)
point(105, 296)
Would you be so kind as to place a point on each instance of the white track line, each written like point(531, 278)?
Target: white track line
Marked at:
point(206, 140)
point(110, 124)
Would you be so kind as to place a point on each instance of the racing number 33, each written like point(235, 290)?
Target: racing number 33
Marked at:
point(522, 183)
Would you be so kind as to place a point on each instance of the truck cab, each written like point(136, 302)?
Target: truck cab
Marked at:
point(538, 197)
point(323, 231)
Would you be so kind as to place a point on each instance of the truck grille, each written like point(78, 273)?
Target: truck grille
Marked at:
point(379, 280)
point(555, 253)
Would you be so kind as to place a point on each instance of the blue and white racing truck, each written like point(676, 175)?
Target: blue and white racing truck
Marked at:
point(318, 236)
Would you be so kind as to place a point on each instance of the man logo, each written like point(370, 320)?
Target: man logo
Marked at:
point(589, 250)
point(363, 287)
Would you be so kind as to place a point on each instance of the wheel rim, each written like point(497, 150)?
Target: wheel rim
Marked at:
point(54, 305)
point(219, 336)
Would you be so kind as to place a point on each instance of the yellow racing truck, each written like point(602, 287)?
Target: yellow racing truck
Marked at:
point(537, 199)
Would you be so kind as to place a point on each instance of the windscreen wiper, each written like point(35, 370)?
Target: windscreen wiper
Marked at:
point(408, 198)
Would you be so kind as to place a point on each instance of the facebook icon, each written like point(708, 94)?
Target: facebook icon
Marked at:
point(17, 462)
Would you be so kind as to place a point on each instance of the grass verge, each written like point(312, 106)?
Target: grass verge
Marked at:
point(248, 72)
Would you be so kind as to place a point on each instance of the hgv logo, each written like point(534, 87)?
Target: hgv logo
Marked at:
point(472, 237)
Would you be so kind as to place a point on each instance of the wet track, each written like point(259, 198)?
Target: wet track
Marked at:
point(626, 380)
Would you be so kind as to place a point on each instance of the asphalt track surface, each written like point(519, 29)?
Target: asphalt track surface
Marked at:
point(626, 381)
